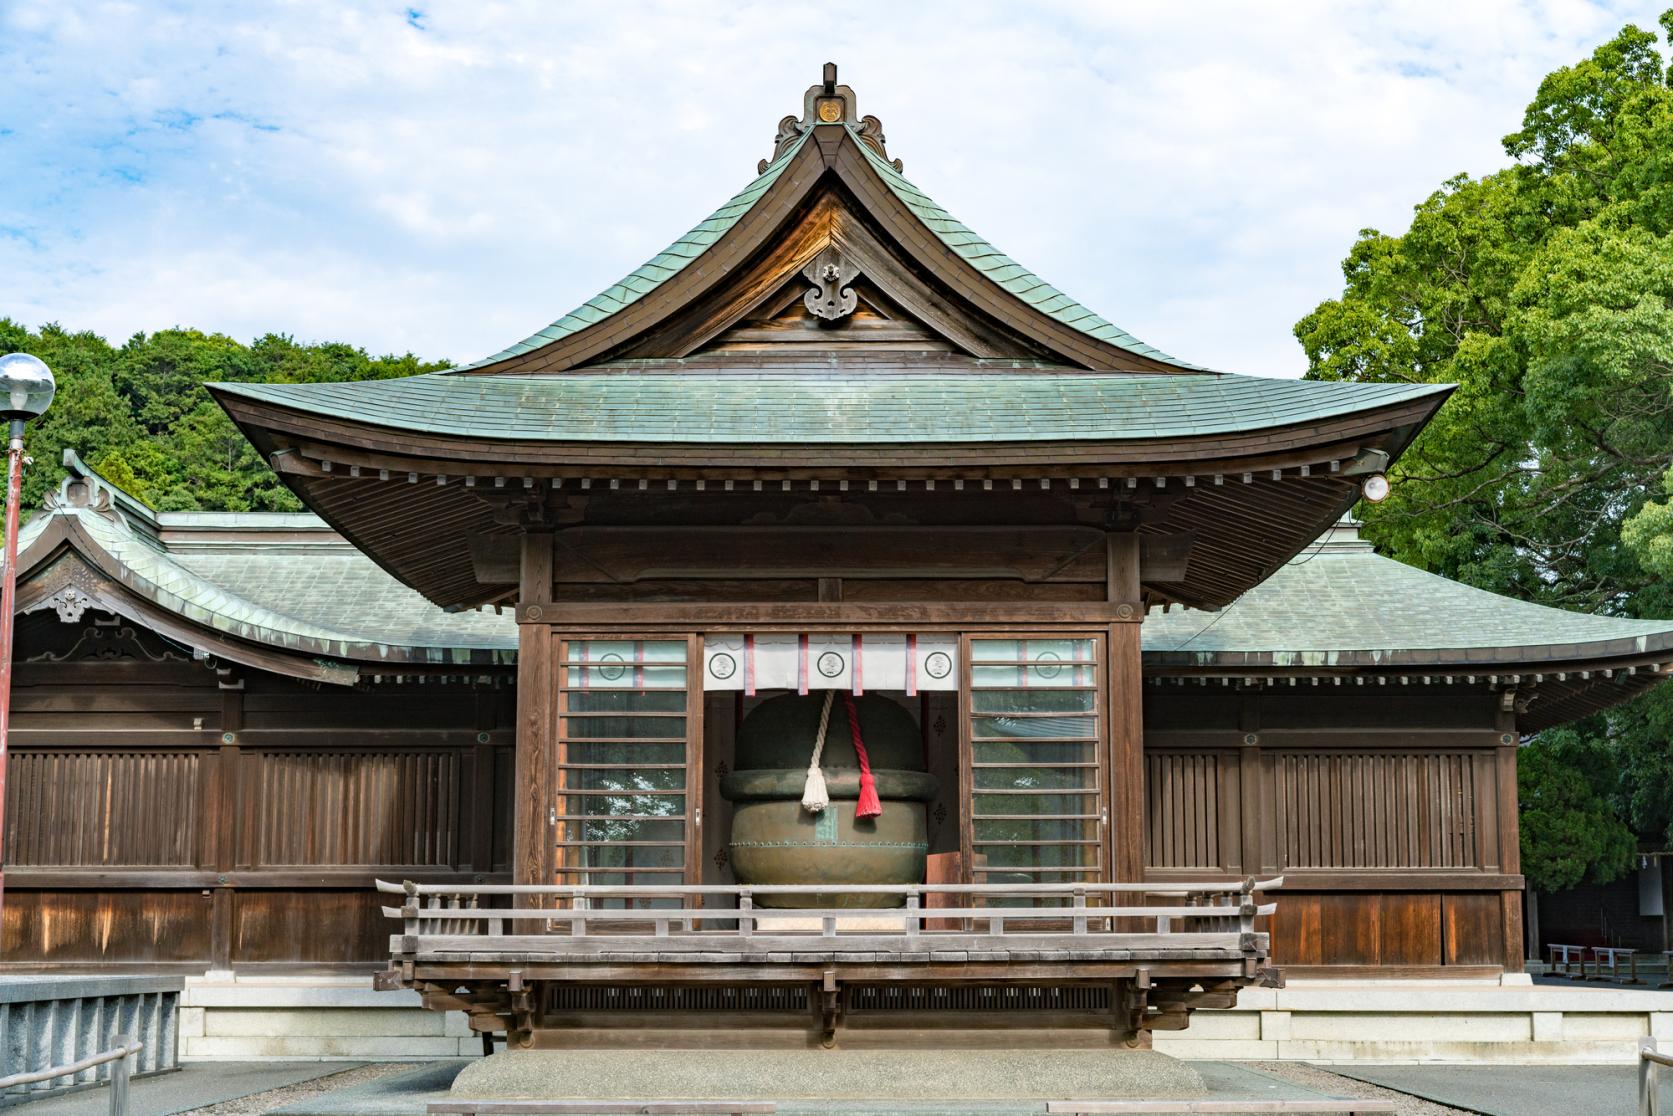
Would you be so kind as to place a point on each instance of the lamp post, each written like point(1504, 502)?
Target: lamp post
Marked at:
point(26, 388)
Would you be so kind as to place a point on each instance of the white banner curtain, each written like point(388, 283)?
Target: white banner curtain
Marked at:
point(753, 662)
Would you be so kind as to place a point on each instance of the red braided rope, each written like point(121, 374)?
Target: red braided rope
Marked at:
point(869, 806)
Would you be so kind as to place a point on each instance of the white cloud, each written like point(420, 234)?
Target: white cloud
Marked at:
point(1193, 173)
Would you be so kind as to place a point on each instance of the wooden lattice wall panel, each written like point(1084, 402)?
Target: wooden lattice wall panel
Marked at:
point(1377, 809)
point(103, 808)
point(351, 808)
point(1191, 810)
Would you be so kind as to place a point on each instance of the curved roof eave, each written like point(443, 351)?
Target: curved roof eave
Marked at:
point(1342, 606)
point(108, 544)
point(987, 401)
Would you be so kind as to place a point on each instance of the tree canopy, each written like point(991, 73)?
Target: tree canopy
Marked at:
point(140, 415)
point(1545, 292)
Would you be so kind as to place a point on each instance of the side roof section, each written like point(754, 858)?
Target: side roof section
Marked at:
point(290, 589)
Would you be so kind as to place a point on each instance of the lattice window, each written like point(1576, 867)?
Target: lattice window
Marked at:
point(625, 717)
point(1036, 776)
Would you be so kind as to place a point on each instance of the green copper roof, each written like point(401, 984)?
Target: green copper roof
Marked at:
point(655, 271)
point(825, 401)
point(1341, 603)
point(302, 590)
point(1003, 270)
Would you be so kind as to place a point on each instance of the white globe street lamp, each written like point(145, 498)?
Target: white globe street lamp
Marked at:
point(26, 389)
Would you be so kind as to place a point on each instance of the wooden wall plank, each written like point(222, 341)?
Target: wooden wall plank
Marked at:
point(318, 926)
point(138, 926)
point(1472, 928)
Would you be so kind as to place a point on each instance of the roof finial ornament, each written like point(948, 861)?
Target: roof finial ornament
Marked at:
point(828, 103)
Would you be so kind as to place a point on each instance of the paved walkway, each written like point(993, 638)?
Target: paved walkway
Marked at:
point(406, 1095)
point(194, 1085)
point(1490, 1090)
point(1519, 1090)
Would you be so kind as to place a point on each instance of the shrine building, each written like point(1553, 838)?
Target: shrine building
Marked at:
point(829, 632)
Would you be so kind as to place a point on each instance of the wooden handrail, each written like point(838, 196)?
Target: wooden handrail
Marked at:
point(118, 1074)
point(445, 918)
point(1066, 890)
point(766, 914)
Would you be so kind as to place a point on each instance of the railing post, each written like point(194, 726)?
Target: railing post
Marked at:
point(119, 1077)
point(578, 926)
point(1080, 905)
point(409, 918)
point(914, 919)
point(746, 903)
point(1649, 1093)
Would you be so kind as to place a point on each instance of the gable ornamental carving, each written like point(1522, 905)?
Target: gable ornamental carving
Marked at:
point(832, 296)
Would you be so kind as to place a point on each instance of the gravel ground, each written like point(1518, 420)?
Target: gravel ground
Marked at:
point(257, 1103)
point(1317, 1077)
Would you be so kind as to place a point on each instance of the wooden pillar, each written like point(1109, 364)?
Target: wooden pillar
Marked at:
point(1126, 704)
point(226, 812)
point(1252, 858)
point(532, 851)
point(1510, 843)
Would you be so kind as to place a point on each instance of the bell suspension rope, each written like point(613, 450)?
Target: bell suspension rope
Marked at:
point(814, 795)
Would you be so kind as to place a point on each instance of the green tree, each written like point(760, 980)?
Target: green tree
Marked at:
point(140, 414)
point(1545, 292)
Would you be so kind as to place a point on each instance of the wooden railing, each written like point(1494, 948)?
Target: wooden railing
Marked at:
point(576, 920)
point(126, 1047)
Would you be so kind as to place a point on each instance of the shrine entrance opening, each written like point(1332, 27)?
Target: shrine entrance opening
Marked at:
point(989, 752)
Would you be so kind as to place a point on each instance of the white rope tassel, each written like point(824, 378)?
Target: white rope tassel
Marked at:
point(814, 795)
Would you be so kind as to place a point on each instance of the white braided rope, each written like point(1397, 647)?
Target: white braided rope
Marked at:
point(814, 795)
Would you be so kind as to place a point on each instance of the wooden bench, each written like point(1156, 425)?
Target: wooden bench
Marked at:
point(1563, 958)
point(1349, 1105)
point(598, 1107)
point(1611, 956)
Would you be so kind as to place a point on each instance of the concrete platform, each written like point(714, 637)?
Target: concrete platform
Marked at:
point(406, 1095)
point(826, 1075)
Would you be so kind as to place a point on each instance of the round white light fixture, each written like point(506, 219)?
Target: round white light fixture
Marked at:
point(26, 387)
point(1374, 488)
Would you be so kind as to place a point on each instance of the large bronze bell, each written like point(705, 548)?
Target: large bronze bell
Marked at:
point(776, 841)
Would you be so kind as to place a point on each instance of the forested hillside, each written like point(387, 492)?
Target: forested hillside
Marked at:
point(1545, 291)
point(139, 414)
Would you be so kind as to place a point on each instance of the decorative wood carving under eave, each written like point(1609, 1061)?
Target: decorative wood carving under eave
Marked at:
point(832, 297)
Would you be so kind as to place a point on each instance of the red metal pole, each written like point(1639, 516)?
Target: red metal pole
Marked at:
point(8, 606)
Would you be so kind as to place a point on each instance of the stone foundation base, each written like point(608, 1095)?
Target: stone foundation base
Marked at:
point(289, 1018)
point(835, 1075)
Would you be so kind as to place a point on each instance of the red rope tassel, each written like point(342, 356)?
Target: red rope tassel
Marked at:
point(869, 805)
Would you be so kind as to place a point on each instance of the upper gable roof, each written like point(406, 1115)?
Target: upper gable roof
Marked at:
point(813, 141)
point(829, 324)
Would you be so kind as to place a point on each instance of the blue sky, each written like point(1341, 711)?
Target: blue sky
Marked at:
point(447, 177)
